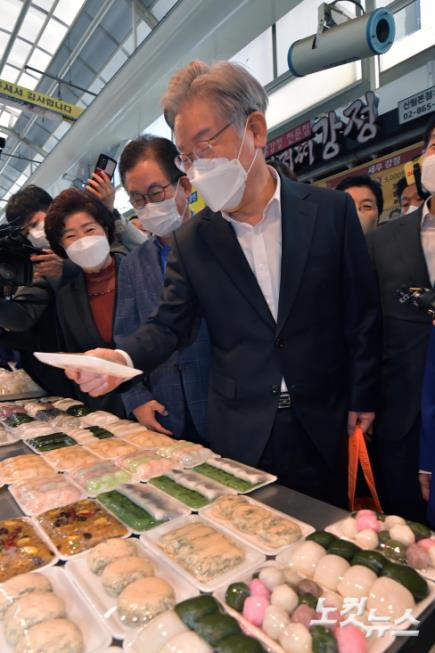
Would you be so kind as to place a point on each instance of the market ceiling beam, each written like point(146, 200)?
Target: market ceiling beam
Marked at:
point(207, 30)
point(14, 33)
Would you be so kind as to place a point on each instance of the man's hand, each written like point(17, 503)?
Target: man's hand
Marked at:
point(48, 265)
point(94, 383)
point(425, 480)
point(100, 185)
point(145, 414)
point(364, 420)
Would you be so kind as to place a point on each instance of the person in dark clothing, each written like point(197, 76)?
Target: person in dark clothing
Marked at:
point(281, 275)
point(403, 253)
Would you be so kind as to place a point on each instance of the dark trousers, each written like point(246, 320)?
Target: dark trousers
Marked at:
point(291, 455)
point(396, 469)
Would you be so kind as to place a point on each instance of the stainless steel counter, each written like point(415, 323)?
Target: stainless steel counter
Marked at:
point(293, 503)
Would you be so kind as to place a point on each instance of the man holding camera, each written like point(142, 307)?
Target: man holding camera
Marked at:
point(403, 253)
point(26, 211)
point(28, 321)
point(281, 275)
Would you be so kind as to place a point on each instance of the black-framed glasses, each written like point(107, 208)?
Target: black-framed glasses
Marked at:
point(156, 194)
point(201, 150)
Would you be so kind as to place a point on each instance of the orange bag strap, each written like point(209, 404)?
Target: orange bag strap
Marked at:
point(358, 454)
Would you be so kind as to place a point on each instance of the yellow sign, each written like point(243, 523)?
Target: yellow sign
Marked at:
point(37, 102)
point(387, 170)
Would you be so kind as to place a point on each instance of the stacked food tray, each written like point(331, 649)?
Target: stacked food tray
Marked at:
point(129, 537)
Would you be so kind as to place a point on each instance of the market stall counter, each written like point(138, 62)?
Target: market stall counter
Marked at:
point(299, 506)
point(81, 479)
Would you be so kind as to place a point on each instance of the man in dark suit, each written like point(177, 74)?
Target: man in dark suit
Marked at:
point(403, 253)
point(281, 274)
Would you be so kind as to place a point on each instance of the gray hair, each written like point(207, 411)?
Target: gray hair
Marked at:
point(232, 87)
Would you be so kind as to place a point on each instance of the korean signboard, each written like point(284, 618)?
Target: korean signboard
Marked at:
point(37, 102)
point(417, 105)
point(387, 170)
point(325, 138)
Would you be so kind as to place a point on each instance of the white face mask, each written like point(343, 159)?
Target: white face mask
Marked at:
point(410, 209)
point(428, 174)
point(221, 181)
point(161, 218)
point(37, 236)
point(89, 252)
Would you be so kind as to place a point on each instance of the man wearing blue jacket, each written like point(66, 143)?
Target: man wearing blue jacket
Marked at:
point(173, 398)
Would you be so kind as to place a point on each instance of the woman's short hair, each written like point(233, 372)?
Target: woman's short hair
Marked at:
point(73, 200)
point(230, 85)
point(160, 149)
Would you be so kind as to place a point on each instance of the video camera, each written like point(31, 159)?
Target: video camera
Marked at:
point(421, 298)
point(16, 268)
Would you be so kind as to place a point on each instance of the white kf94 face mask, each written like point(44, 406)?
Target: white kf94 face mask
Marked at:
point(89, 252)
point(428, 174)
point(37, 236)
point(221, 181)
point(162, 218)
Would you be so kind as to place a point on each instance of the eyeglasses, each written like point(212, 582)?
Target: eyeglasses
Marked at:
point(157, 194)
point(201, 150)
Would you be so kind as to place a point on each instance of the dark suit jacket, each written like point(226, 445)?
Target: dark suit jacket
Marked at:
point(185, 374)
point(427, 440)
point(32, 325)
point(324, 343)
point(398, 259)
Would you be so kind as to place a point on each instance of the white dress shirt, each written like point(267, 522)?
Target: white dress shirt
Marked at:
point(262, 247)
point(428, 239)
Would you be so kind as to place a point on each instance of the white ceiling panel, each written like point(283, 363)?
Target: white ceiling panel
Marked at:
point(32, 24)
point(19, 52)
point(10, 10)
point(66, 10)
point(52, 35)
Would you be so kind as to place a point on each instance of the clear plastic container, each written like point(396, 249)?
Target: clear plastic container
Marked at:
point(39, 495)
point(70, 458)
point(101, 477)
point(145, 465)
point(111, 448)
point(24, 467)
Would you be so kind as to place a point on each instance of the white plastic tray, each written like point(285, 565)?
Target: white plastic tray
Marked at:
point(268, 478)
point(34, 394)
point(61, 556)
point(88, 445)
point(374, 644)
point(94, 631)
point(106, 606)
point(226, 524)
point(335, 529)
point(182, 510)
point(91, 363)
point(252, 557)
point(26, 511)
point(37, 451)
point(224, 491)
point(43, 536)
point(9, 438)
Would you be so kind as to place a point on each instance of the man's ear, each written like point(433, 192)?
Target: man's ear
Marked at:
point(185, 185)
point(257, 124)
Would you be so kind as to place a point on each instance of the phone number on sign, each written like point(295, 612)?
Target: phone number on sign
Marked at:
point(418, 111)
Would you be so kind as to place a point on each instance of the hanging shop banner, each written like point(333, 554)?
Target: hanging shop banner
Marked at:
point(329, 136)
point(36, 102)
point(387, 170)
point(295, 135)
point(417, 105)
